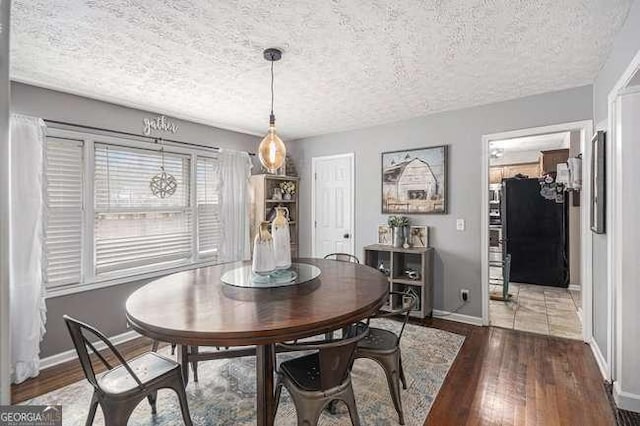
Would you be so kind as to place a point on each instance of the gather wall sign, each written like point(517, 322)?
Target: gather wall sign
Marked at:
point(159, 123)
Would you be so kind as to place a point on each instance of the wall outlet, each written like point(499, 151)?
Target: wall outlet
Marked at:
point(460, 224)
point(464, 295)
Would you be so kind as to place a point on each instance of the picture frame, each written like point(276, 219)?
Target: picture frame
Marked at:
point(598, 183)
point(419, 236)
point(415, 181)
point(385, 237)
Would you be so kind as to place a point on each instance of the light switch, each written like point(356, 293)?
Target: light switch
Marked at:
point(460, 224)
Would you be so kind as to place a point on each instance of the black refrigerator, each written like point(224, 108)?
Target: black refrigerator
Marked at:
point(535, 234)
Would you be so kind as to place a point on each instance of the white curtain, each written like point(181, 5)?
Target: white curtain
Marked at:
point(27, 291)
point(234, 172)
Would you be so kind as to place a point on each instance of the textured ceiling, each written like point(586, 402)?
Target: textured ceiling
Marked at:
point(347, 64)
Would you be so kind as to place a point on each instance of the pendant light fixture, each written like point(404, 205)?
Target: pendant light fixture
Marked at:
point(272, 151)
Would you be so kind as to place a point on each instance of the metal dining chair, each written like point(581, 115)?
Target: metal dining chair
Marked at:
point(193, 355)
point(121, 388)
point(192, 350)
point(317, 379)
point(383, 347)
point(342, 257)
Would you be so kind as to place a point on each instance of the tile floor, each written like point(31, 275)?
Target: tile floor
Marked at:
point(537, 309)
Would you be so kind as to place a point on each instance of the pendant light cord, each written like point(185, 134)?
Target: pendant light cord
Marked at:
point(272, 61)
point(161, 155)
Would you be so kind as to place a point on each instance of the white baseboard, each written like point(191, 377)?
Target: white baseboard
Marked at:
point(453, 316)
point(575, 287)
point(602, 363)
point(65, 356)
point(625, 400)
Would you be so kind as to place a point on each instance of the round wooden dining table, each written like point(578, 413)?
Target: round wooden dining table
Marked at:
point(195, 308)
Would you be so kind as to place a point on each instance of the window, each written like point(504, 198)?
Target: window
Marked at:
point(120, 229)
point(63, 223)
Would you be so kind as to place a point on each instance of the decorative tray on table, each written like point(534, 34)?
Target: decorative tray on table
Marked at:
point(298, 273)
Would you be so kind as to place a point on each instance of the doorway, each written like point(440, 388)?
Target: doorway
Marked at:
point(535, 267)
point(332, 204)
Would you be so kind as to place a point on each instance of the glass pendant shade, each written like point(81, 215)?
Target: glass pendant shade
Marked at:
point(272, 151)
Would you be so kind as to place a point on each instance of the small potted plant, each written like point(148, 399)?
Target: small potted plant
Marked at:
point(399, 226)
point(288, 189)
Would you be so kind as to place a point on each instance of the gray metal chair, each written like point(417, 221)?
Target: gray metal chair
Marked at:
point(121, 388)
point(315, 380)
point(193, 355)
point(156, 345)
point(383, 347)
point(192, 350)
point(342, 257)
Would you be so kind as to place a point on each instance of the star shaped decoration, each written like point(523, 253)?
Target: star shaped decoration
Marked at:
point(163, 185)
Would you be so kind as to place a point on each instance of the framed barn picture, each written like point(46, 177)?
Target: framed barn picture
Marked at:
point(415, 181)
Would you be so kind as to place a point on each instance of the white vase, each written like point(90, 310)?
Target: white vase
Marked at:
point(287, 196)
point(263, 262)
point(281, 238)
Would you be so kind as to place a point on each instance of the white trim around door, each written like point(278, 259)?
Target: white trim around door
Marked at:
point(314, 161)
point(586, 273)
point(615, 230)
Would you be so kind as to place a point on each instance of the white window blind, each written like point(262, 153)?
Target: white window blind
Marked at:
point(63, 223)
point(103, 222)
point(133, 228)
point(209, 230)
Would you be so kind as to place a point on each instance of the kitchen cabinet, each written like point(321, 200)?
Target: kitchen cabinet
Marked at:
point(529, 169)
point(550, 159)
point(497, 173)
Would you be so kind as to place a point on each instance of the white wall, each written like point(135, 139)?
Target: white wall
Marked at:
point(625, 47)
point(458, 254)
point(5, 368)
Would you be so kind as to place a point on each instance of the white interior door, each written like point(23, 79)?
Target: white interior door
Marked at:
point(333, 204)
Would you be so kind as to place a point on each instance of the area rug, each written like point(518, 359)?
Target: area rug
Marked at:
point(225, 394)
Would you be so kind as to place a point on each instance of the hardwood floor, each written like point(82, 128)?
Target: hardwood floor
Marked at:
point(508, 377)
point(500, 377)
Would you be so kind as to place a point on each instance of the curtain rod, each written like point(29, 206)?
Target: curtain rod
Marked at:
point(153, 138)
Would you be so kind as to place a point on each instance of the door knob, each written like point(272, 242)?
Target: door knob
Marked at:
point(346, 236)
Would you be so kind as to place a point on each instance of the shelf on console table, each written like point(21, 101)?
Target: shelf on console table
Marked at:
point(397, 260)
